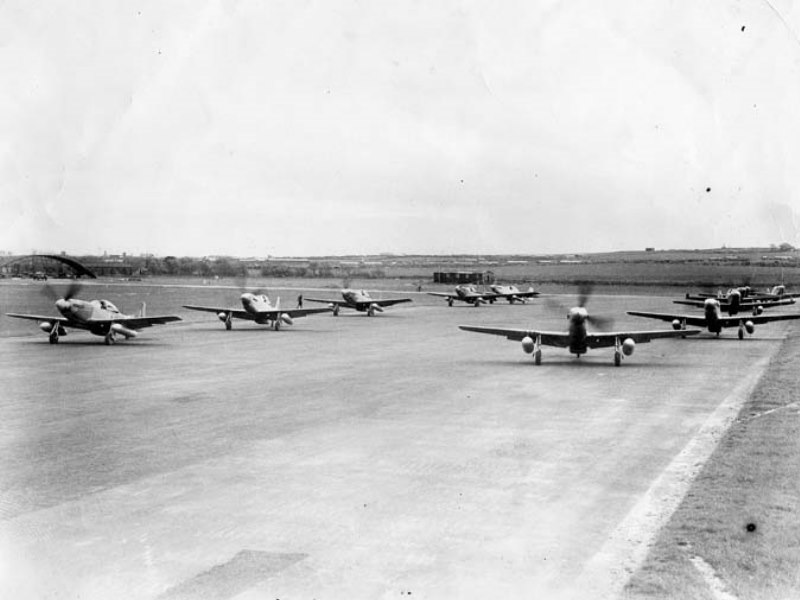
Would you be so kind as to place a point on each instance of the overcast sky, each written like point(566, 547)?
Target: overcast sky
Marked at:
point(257, 127)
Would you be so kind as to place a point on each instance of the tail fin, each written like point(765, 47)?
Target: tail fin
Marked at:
point(142, 310)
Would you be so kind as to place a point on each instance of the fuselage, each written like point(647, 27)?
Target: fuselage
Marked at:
point(713, 313)
point(256, 303)
point(577, 330)
point(82, 311)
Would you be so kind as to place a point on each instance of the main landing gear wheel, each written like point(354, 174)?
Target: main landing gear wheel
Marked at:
point(370, 312)
point(450, 302)
point(537, 357)
point(277, 326)
point(109, 339)
point(54, 337)
point(228, 325)
point(336, 311)
point(741, 333)
point(617, 359)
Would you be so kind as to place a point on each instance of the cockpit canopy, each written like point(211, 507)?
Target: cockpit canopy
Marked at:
point(106, 305)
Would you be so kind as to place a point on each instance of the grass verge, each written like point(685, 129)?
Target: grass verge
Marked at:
point(736, 534)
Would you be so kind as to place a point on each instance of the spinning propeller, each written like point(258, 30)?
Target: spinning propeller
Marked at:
point(73, 289)
point(585, 291)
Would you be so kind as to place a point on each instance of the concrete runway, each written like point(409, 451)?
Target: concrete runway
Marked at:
point(350, 457)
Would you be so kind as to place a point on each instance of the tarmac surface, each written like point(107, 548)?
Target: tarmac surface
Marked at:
point(351, 457)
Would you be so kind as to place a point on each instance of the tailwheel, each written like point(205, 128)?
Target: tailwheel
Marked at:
point(617, 359)
point(537, 357)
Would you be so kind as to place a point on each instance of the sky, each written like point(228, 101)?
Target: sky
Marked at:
point(295, 128)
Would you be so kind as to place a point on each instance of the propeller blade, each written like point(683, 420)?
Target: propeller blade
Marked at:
point(48, 291)
point(601, 323)
point(584, 293)
point(73, 290)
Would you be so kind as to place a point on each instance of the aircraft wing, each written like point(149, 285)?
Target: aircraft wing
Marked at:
point(61, 320)
point(609, 339)
point(695, 320)
point(236, 313)
point(756, 319)
point(334, 302)
point(444, 295)
point(292, 312)
point(549, 338)
point(137, 322)
point(391, 302)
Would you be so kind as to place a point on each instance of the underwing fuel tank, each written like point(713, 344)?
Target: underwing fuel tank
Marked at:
point(527, 344)
point(118, 328)
point(627, 346)
point(47, 327)
point(286, 319)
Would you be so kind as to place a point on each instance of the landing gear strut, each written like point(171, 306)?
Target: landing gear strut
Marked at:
point(109, 339)
point(229, 321)
point(537, 350)
point(54, 334)
point(617, 353)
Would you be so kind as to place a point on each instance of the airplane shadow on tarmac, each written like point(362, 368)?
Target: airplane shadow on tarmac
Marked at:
point(582, 363)
point(723, 338)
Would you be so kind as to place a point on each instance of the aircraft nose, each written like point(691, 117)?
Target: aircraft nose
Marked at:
point(62, 305)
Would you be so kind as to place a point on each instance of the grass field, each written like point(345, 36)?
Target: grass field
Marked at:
point(737, 532)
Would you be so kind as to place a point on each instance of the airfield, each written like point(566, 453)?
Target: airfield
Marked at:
point(349, 457)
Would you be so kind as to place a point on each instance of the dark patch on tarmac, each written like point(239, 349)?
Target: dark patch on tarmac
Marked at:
point(245, 570)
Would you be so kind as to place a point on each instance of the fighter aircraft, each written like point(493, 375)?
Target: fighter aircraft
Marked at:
point(733, 302)
point(99, 317)
point(713, 319)
point(258, 308)
point(360, 301)
point(468, 294)
point(577, 339)
point(777, 292)
point(512, 293)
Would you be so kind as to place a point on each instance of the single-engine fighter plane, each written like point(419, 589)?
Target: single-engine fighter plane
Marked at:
point(577, 339)
point(733, 303)
point(713, 319)
point(258, 308)
point(99, 317)
point(360, 301)
point(777, 292)
point(512, 293)
point(468, 294)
